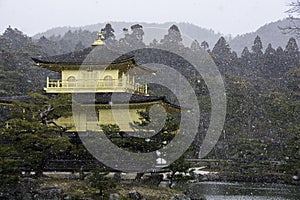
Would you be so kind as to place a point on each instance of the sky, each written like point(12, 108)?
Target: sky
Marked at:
point(224, 16)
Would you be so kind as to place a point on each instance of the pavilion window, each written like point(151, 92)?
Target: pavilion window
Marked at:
point(108, 81)
point(71, 81)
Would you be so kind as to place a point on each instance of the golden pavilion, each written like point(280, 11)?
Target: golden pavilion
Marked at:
point(96, 74)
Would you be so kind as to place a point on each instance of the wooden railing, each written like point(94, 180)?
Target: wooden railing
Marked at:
point(99, 85)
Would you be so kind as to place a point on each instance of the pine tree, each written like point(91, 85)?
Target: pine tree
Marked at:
point(181, 166)
point(221, 48)
point(47, 46)
point(108, 32)
point(291, 54)
point(257, 57)
point(137, 32)
point(257, 47)
point(154, 43)
point(279, 51)
point(246, 55)
point(99, 180)
point(79, 46)
point(173, 39)
point(287, 59)
point(133, 40)
point(269, 62)
point(195, 46)
point(205, 45)
point(30, 137)
point(269, 50)
point(221, 54)
point(280, 61)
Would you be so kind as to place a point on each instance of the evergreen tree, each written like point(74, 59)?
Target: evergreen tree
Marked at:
point(269, 50)
point(269, 62)
point(195, 46)
point(99, 180)
point(18, 76)
point(245, 59)
point(137, 32)
point(246, 53)
point(133, 40)
point(15, 36)
point(234, 60)
point(280, 61)
point(291, 47)
point(47, 46)
point(79, 46)
point(13, 40)
point(291, 54)
point(257, 60)
point(173, 39)
point(154, 43)
point(30, 140)
point(221, 48)
point(180, 166)
point(205, 45)
point(293, 82)
point(221, 54)
point(279, 52)
point(234, 55)
point(108, 32)
point(257, 47)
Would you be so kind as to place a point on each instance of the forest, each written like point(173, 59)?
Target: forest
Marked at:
point(260, 140)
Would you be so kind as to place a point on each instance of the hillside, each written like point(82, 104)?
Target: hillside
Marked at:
point(190, 31)
point(269, 33)
point(262, 112)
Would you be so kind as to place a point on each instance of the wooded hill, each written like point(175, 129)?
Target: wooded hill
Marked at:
point(270, 33)
point(262, 86)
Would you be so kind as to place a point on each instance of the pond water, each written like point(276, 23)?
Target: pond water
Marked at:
point(244, 191)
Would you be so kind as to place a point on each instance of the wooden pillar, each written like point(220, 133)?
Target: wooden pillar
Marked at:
point(47, 82)
point(146, 89)
point(133, 80)
point(124, 81)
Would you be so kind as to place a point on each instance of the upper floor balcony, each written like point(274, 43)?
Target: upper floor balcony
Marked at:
point(95, 86)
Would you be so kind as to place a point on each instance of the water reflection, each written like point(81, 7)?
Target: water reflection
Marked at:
point(244, 191)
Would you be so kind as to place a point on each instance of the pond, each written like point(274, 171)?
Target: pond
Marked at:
point(244, 191)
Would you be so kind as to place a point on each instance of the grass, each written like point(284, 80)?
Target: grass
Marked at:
point(81, 189)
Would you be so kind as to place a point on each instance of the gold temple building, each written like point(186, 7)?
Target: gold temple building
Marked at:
point(105, 80)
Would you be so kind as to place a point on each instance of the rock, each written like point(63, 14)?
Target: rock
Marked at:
point(180, 197)
point(164, 184)
point(28, 188)
point(213, 177)
point(134, 195)
point(25, 188)
point(67, 197)
point(7, 192)
point(208, 177)
point(194, 195)
point(199, 198)
point(117, 176)
point(202, 177)
point(186, 197)
point(114, 196)
point(52, 193)
point(153, 179)
point(28, 184)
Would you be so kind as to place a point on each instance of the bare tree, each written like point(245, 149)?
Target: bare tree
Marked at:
point(294, 26)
